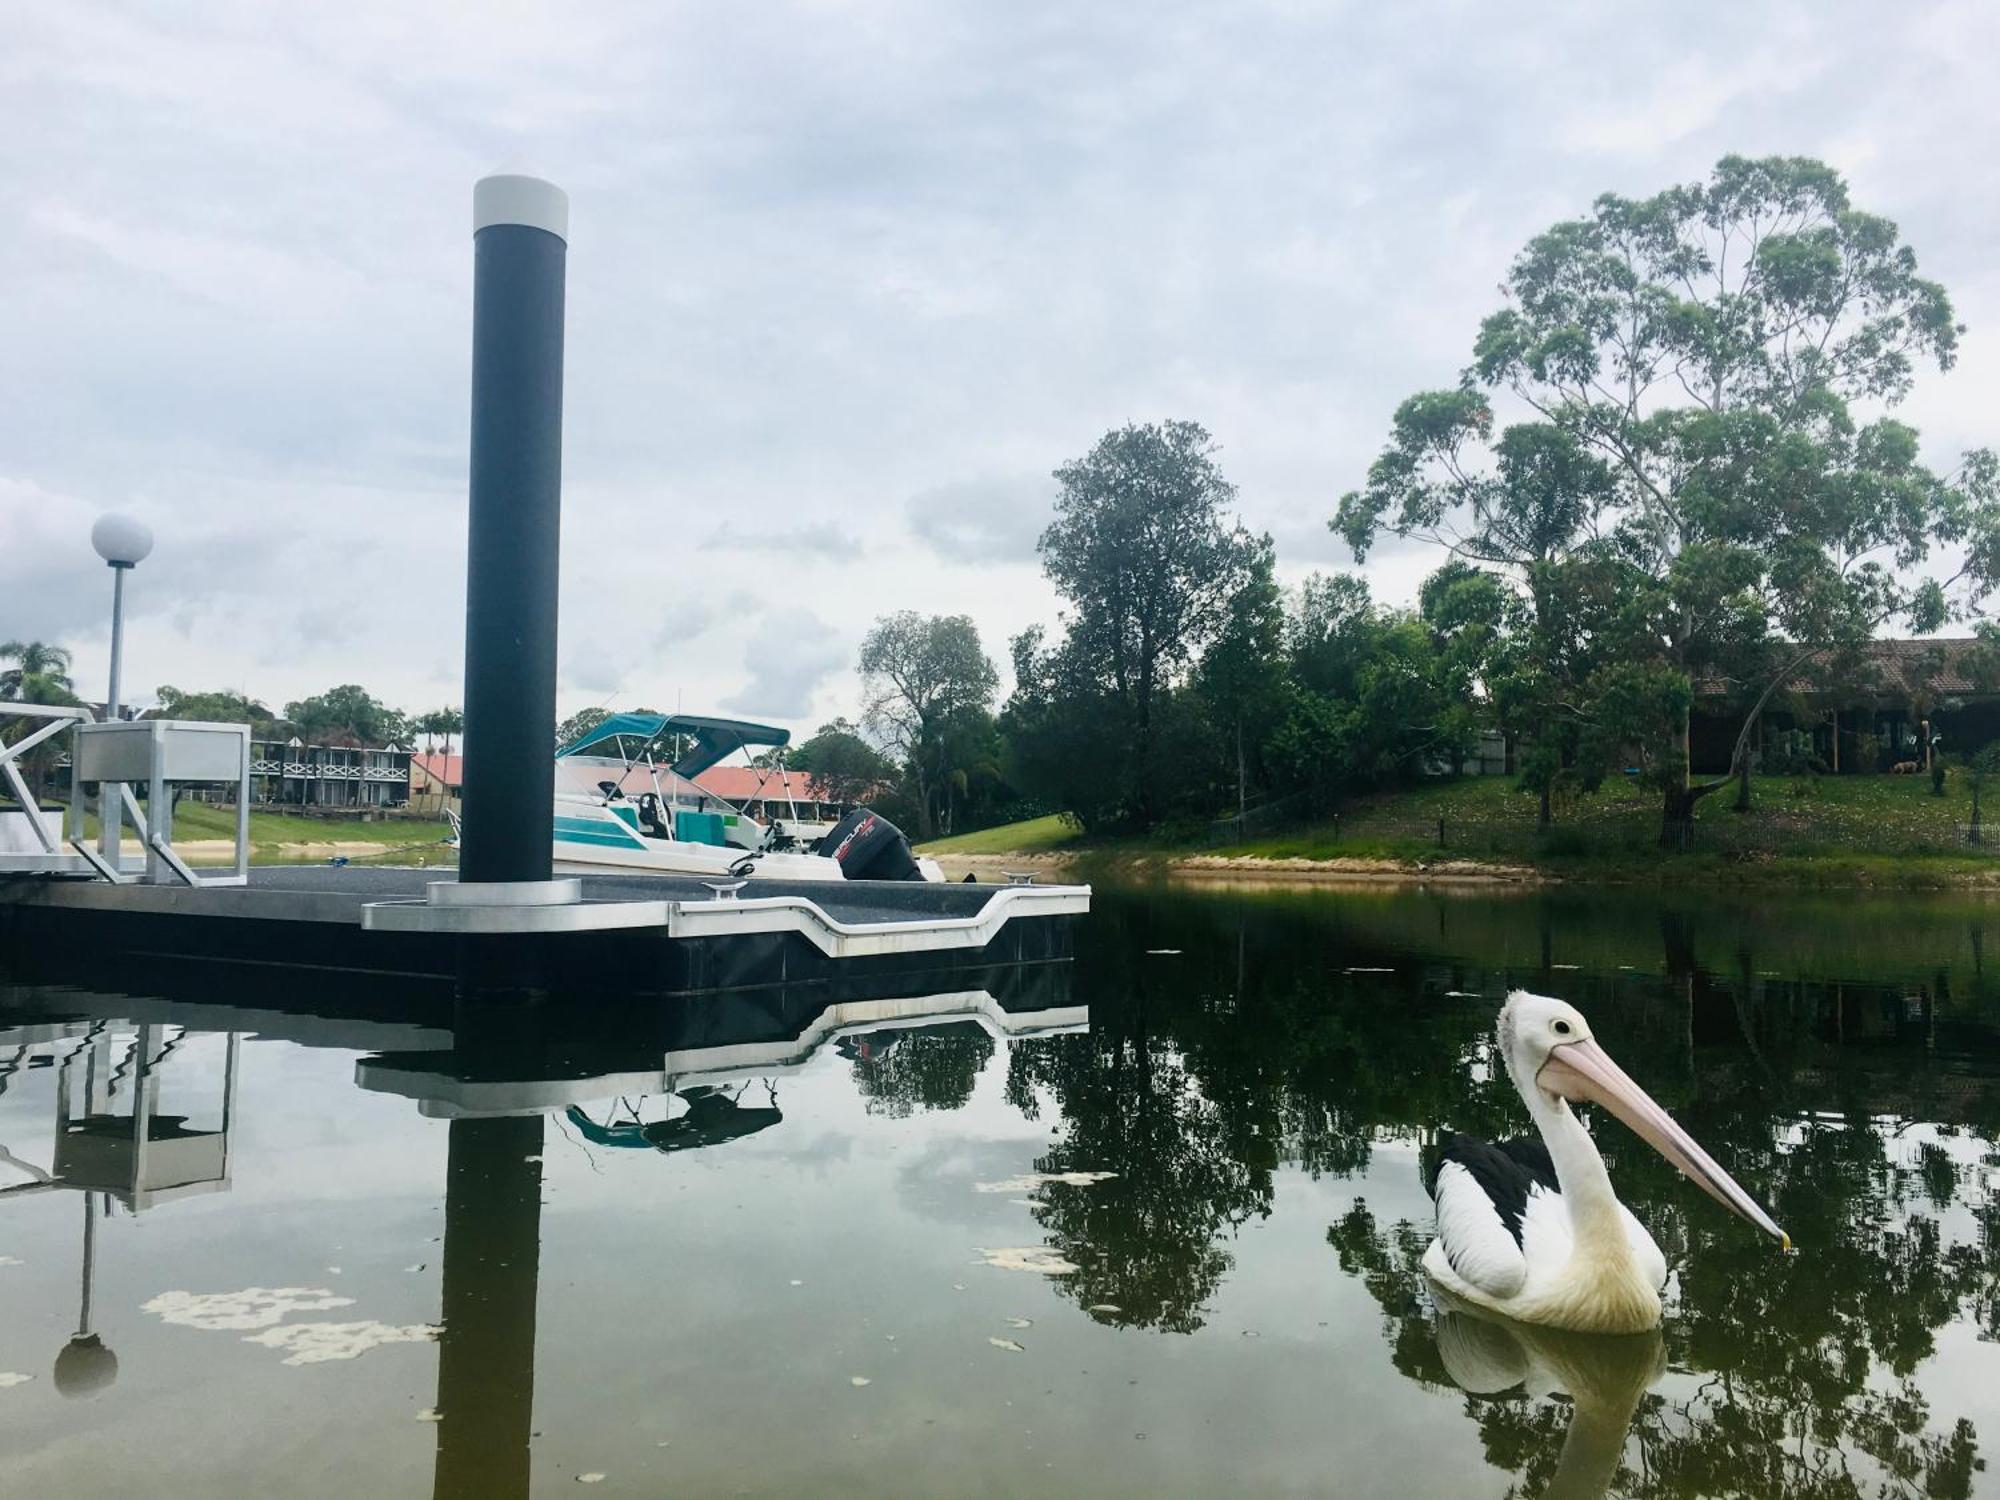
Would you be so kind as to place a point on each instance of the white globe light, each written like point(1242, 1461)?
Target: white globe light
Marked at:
point(121, 540)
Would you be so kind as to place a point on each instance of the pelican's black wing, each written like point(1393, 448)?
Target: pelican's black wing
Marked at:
point(1506, 1173)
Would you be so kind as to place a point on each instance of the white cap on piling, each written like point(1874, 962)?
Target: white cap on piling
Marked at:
point(510, 198)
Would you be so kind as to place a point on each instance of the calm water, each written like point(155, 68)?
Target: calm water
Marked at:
point(845, 1254)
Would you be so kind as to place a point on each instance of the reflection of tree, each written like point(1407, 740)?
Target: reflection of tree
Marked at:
point(926, 1067)
point(1810, 1360)
point(1145, 1240)
point(1270, 1038)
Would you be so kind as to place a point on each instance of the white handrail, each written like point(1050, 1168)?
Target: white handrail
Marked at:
point(61, 719)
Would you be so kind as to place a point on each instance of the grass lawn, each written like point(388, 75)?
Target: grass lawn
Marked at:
point(204, 820)
point(1820, 830)
point(1035, 836)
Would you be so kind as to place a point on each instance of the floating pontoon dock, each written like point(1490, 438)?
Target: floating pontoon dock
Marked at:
point(503, 925)
point(652, 934)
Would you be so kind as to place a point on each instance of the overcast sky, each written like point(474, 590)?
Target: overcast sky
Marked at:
point(846, 281)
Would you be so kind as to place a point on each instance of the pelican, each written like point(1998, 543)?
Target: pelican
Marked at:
point(1532, 1230)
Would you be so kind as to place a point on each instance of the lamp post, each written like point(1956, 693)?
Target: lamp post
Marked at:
point(124, 543)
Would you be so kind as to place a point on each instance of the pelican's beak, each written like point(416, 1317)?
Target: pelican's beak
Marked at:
point(1584, 1071)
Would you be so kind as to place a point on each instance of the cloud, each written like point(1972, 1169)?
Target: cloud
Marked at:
point(983, 520)
point(822, 257)
point(776, 531)
point(785, 660)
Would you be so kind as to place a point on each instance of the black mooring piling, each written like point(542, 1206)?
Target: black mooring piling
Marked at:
point(520, 239)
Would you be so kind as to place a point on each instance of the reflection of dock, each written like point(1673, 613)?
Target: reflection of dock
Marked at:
point(446, 1089)
point(112, 1152)
point(132, 1154)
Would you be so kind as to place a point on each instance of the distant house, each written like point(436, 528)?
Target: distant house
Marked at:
point(436, 778)
point(1862, 712)
point(290, 772)
point(772, 795)
point(1491, 755)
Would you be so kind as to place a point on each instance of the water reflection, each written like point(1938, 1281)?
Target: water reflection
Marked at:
point(492, 1277)
point(111, 1145)
point(1862, 1109)
point(1602, 1376)
point(1285, 1065)
point(495, 1074)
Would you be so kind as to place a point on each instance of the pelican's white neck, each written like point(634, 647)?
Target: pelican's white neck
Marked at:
point(1586, 1185)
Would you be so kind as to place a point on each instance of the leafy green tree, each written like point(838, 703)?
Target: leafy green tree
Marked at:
point(568, 731)
point(1065, 735)
point(223, 706)
point(1980, 768)
point(1242, 679)
point(1708, 345)
point(1526, 507)
point(1376, 696)
point(347, 715)
point(841, 765)
point(1148, 562)
point(924, 675)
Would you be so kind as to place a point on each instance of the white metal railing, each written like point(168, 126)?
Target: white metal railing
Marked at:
point(48, 842)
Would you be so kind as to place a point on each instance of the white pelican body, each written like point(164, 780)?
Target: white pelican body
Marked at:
point(1532, 1230)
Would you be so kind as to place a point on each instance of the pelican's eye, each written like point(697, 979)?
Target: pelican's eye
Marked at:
point(1562, 1028)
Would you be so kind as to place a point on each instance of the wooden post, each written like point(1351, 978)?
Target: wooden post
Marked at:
point(1836, 742)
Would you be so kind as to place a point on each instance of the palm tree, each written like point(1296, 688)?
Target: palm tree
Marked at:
point(447, 722)
point(40, 674)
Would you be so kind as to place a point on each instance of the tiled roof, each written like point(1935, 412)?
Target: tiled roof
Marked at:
point(429, 765)
point(742, 783)
point(733, 784)
point(1894, 669)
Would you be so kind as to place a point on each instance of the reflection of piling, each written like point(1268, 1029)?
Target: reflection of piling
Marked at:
point(492, 1262)
point(520, 232)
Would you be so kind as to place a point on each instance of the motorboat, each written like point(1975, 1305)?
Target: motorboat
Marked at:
point(627, 800)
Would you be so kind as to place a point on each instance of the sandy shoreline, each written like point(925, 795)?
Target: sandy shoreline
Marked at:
point(221, 851)
point(1241, 868)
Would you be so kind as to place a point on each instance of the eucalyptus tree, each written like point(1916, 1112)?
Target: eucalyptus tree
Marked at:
point(925, 676)
point(840, 764)
point(1727, 352)
point(1241, 676)
point(567, 731)
point(1525, 506)
point(348, 714)
point(225, 706)
point(1145, 554)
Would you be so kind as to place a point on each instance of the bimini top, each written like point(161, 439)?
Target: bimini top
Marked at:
point(634, 736)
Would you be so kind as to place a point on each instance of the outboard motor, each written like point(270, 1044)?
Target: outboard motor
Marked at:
point(870, 847)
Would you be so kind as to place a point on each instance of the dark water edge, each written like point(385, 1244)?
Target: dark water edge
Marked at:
point(791, 1281)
